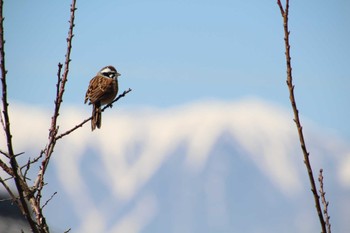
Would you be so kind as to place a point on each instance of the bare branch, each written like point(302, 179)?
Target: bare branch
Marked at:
point(60, 87)
point(116, 99)
point(49, 200)
point(284, 13)
point(6, 168)
point(59, 80)
point(324, 202)
point(20, 183)
point(13, 197)
point(8, 178)
point(89, 119)
point(27, 166)
point(59, 98)
point(4, 153)
point(16, 155)
point(2, 122)
point(73, 129)
point(30, 162)
point(280, 6)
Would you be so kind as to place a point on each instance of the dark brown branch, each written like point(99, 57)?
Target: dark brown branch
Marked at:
point(27, 166)
point(52, 196)
point(19, 154)
point(2, 122)
point(21, 186)
point(116, 99)
point(4, 153)
point(284, 13)
point(73, 129)
point(89, 119)
point(59, 80)
point(280, 6)
point(13, 197)
point(8, 178)
point(30, 162)
point(6, 168)
point(324, 202)
point(60, 87)
point(59, 98)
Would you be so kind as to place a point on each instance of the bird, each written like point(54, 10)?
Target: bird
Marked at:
point(102, 90)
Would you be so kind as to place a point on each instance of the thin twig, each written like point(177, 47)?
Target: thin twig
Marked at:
point(34, 160)
point(16, 155)
point(30, 162)
point(73, 129)
point(59, 80)
point(49, 200)
point(284, 13)
point(88, 119)
point(324, 202)
point(4, 153)
point(12, 195)
point(27, 166)
point(116, 99)
point(7, 199)
point(8, 178)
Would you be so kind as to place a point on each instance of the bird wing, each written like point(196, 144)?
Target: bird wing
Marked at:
point(99, 88)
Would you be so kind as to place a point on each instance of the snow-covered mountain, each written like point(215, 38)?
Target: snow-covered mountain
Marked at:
point(202, 167)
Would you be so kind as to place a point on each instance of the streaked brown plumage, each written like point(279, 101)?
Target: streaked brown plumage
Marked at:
point(103, 88)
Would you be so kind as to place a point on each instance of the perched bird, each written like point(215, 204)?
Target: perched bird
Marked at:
point(103, 88)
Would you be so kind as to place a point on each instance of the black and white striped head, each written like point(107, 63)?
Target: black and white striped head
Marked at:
point(109, 72)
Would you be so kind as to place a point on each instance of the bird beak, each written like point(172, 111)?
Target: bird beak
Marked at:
point(118, 74)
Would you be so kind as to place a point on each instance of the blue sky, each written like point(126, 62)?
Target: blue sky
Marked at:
point(173, 52)
point(179, 55)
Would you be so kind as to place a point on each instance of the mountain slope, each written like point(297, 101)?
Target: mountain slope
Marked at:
point(202, 167)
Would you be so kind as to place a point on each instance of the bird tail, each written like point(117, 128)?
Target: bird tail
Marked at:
point(96, 117)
